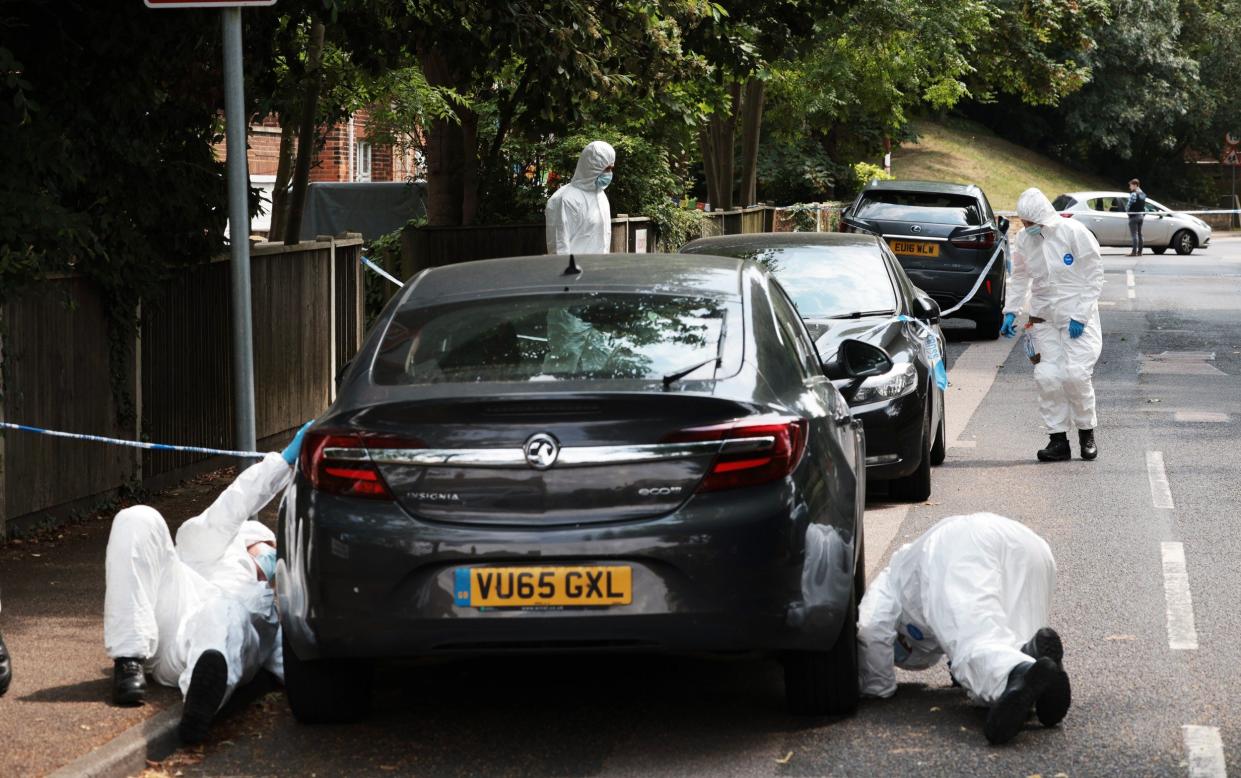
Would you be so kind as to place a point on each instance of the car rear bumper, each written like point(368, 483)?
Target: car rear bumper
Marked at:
point(893, 436)
point(948, 288)
point(746, 570)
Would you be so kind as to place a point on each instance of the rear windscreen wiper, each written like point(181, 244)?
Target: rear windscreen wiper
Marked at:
point(672, 378)
point(860, 314)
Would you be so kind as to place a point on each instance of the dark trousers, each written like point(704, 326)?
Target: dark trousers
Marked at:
point(1135, 232)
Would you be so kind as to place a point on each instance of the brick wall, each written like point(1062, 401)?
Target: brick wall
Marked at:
point(333, 162)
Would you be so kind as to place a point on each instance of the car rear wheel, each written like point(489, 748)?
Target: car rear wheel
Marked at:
point(825, 683)
point(916, 486)
point(940, 448)
point(326, 691)
point(1184, 242)
point(1160, 249)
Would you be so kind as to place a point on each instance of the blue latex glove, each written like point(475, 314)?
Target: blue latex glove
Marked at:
point(290, 451)
point(1076, 328)
point(1009, 328)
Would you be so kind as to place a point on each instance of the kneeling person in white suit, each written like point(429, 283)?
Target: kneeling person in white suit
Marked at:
point(978, 589)
point(198, 614)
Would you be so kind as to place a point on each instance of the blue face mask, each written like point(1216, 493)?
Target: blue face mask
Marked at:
point(266, 560)
point(1034, 229)
point(603, 180)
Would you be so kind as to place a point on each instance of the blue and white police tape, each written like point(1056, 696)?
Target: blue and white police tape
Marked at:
point(930, 342)
point(981, 277)
point(377, 269)
point(4, 425)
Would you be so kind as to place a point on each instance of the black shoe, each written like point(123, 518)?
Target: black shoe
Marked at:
point(204, 697)
point(6, 667)
point(129, 683)
point(1053, 706)
point(1057, 449)
point(1026, 684)
point(1085, 439)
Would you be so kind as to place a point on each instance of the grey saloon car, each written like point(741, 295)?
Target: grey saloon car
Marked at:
point(599, 453)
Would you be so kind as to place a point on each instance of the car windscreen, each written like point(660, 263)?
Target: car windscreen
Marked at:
point(925, 207)
point(1063, 203)
point(556, 337)
point(827, 281)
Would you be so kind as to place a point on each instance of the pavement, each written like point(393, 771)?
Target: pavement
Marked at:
point(59, 708)
point(1150, 644)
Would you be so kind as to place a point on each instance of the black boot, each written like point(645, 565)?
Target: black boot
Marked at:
point(1057, 449)
point(1026, 684)
point(6, 667)
point(1053, 706)
point(1086, 439)
point(204, 697)
point(129, 682)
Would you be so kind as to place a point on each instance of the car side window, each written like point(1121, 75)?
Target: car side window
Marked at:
point(794, 330)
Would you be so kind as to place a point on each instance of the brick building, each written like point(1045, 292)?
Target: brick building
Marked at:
point(347, 155)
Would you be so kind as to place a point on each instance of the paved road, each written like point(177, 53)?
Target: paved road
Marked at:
point(1147, 601)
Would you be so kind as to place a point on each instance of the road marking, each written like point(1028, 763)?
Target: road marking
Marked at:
point(1200, 417)
point(1205, 751)
point(1161, 492)
point(1129, 282)
point(1181, 632)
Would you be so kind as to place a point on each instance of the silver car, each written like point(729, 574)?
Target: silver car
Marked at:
point(1104, 213)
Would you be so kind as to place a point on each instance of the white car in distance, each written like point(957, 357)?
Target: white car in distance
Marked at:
point(1162, 229)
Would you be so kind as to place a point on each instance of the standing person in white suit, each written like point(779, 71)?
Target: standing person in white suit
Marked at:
point(978, 589)
point(198, 614)
point(578, 216)
point(1057, 265)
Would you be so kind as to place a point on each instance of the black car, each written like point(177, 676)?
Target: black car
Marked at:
point(634, 452)
point(944, 235)
point(849, 288)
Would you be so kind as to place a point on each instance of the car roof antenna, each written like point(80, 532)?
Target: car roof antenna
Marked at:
point(572, 269)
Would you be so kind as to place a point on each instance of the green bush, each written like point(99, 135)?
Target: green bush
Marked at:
point(642, 180)
point(794, 173)
point(865, 172)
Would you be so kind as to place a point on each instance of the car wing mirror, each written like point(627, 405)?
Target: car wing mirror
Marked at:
point(857, 359)
point(1002, 223)
point(926, 309)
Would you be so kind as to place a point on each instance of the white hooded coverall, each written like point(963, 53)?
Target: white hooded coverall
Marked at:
point(975, 588)
point(578, 216)
point(166, 604)
point(1061, 272)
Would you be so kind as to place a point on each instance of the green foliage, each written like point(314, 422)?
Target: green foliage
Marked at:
point(804, 217)
point(674, 224)
point(865, 172)
point(794, 170)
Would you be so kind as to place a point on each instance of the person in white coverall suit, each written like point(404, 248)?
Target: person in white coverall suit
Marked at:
point(1057, 265)
point(198, 614)
point(578, 216)
point(976, 588)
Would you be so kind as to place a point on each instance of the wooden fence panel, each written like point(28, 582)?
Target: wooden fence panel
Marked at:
point(57, 374)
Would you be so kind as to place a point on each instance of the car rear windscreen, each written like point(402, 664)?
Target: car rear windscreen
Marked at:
point(925, 207)
point(562, 337)
point(1063, 203)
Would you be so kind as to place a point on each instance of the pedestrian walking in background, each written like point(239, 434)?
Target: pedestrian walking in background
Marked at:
point(1137, 215)
point(578, 216)
point(1057, 267)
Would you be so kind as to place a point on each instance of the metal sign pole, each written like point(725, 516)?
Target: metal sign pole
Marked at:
point(239, 234)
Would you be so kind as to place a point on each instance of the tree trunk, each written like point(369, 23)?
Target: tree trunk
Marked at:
point(719, 142)
point(306, 141)
point(751, 126)
point(469, 166)
point(445, 147)
point(280, 190)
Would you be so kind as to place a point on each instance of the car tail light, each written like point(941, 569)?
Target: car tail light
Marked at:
point(738, 464)
point(979, 240)
point(1066, 216)
point(337, 463)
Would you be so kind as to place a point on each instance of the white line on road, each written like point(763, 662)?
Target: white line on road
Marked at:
point(1205, 751)
point(1129, 281)
point(1181, 632)
point(1161, 493)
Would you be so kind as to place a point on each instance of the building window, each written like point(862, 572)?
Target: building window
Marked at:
point(362, 161)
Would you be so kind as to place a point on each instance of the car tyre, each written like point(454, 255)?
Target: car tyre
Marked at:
point(939, 450)
point(825, 683)
point(989, 326)
point(326, 691)
point(1160, 249)
point(1184, 242)
point(916, 486)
